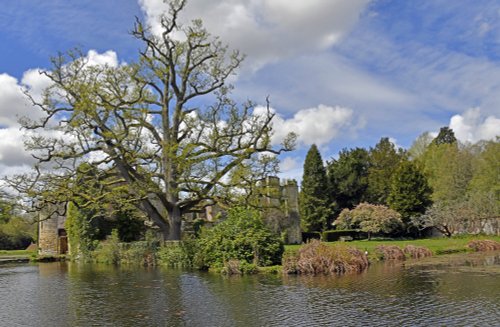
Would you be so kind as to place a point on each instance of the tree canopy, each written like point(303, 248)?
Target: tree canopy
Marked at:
point(314, 197)
point(384, 160)
point(147, 124)
point(348, 177)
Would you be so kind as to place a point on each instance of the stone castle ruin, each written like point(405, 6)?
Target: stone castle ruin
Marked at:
point(52, 236)
point(280, 203)
point(280, 210)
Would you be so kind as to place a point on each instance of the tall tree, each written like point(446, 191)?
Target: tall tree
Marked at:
point(420, 145)
point(384, 160)
point(146, 122)
point(314, 197)
point(448, 168)
point(410, 193)
point(348, 178)
point(445, 136)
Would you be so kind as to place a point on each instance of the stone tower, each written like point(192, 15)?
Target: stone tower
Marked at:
point(52, 237)
point(281, 208)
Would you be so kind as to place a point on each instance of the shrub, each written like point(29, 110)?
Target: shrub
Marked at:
point(141, 253)
point(370, 218)
point(484, 245)
point(417, 252)
point(318, 258)
point(178, 254)
point(109, 251)
point(237, 267)
point(390, 252)
point(242, 236)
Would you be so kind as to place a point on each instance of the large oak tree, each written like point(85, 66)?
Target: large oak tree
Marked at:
point(146, 125)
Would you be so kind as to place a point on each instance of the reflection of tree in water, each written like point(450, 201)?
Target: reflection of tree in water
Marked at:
point(123, 296)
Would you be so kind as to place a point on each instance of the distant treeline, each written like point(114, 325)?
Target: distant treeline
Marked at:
point(439, 182)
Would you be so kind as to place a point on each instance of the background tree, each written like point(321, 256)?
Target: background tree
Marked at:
point(16, 231)
point(445, 136)
point(420, 145)
point(348, 178)
point(145, 122)
point(370, 218)
point(448, 168)
point(384, 160)
point(484, 186)
point(314, 198)
point(410, 193)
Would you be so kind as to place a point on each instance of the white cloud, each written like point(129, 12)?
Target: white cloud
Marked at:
point(12, 148)
point(317, 125)
point(268, 30)
point(471, 126)
point(289, 163)
point(15, 104)
point(97, 59)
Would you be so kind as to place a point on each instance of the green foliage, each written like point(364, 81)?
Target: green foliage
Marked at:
point(109, 251)
point(384, 160)
point(448, 168)
point(420, 145)
point(15, 231)
point(243, 237)
point(178, 254)
point(370, 218)
point(445, 136)
point(314, 199)
point(16, 234)
point(348, 178)
point(81, 233)
point(410, 194)
point(145, 123)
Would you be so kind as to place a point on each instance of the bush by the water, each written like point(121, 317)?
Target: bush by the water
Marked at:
point(243, 237)
point(112, 251)
point(484, 245)
point(179, 254)
point(390, 252)
point(417, 252)
point(317, 258)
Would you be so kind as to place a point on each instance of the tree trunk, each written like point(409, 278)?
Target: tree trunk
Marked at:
point(175, 219)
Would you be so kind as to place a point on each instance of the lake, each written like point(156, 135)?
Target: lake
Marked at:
point(459, 290)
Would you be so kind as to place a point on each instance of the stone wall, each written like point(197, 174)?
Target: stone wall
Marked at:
point(281, 208)
point(50, 230)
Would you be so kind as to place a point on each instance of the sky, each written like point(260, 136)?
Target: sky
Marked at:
point(340, 73)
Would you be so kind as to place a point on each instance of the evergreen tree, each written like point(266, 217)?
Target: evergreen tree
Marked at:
point(347, 177)
point(410, 193)
point(384, 160)
point(314, 201)
point(445, 136)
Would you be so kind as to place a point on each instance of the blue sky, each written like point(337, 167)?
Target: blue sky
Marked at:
point(341, 73)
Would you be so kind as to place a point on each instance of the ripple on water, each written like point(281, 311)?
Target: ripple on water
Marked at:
point(420, 294)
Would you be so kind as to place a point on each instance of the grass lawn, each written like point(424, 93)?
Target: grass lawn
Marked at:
point(439, 245)
point(17, 253)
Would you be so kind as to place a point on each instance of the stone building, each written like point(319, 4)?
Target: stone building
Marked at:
point(280, 203)
point(52, 236)
point(280, 210)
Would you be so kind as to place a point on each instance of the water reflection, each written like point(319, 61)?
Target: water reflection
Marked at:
point(463, 290)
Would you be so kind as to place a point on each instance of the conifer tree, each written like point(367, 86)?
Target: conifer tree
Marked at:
point(384, 160)
point(445, 136)
point(314, 203)
point(410, 193)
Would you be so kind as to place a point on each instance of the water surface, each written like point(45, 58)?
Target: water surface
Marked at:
point(461, 290)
